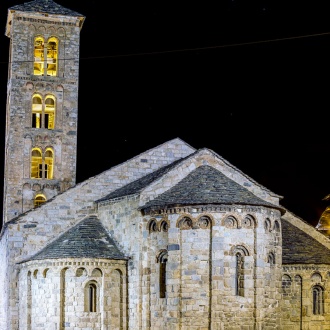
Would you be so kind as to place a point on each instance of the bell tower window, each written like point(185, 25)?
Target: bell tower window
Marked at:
point(43, 112)
point(39, 46)
point(49, 164)
point(52, 57)
point(45, 56)
point(42, 167)
point(39, 199)
point(36, 111)
point(36, 164)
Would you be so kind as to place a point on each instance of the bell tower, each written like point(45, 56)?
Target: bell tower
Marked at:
point(42, 104)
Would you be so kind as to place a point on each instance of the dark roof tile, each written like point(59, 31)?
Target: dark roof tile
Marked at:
point(300, 248)
point(45, 6)
point(87, 239)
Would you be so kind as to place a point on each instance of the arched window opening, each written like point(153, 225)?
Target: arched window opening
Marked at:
point(50, 112)
point(318, 300)
point(239, 275)
point(162, 274)
point(39, 199)
point(271, 259)
point(185, 223)
point(42, 168)
point(49, 164)
point(36, 164)
point(43, 112)
point(152, 226)
point(38, 66)
point(164, 226)
point(36, 111)
point(52, 56)
point(92, 297)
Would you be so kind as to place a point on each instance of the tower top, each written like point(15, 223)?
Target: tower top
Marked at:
point(45, 6)
point(42, 7)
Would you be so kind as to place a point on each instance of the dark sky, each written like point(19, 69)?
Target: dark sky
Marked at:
point(248, 79)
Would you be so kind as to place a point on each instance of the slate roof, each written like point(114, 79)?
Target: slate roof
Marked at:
point(139, 184)
point(300, 248)
point(45, 6)
point(206, 185)
point(87, 239)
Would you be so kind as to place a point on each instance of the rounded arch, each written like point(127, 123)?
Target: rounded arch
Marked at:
point(52, 54)
point(45, 272)
point(61, 32)
point(205, 221)
point(97, 272)
point(241, 249)
point(230, 221)
point(249, 221)
point(277, 227)
point(271, 258)
point(39, 199)
point(81, 272)
point(267, 224)
point(163, 226)
point(316, 277)
point(39, 53)
point(91, 296)
point(152, 225)
point(185, 222)
point(161, 256)
point(298, 279)
point(36, 163)
point(49, 163)
point(35, 273)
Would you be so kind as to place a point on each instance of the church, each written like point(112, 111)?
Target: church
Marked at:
point(175, 238)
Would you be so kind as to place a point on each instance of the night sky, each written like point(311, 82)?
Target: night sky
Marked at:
point(247, 79)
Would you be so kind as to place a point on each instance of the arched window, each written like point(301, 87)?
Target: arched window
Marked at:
point(318, 300)
point(36, 164)
point(239, 274)
point(39, 199)
point(49, 112)
point(43, 111)
point(52, 56)
point(39, 46)
point(42, 167)
point(91, 297)
point(36, 111)
point(45, 56)
point(239, 253)
point(48, 166)
point(162, 259)
point(271, 259)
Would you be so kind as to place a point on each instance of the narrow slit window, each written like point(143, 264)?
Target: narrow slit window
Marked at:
point(92, 298)
point(239, 275)
point(318, 300)
point(162, 274)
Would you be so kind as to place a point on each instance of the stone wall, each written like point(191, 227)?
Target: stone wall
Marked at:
point(298, 282)
point(55, 293)
point(35, 229)
point(200, 248)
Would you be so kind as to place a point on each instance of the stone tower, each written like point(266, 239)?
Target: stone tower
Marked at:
point(42, 104)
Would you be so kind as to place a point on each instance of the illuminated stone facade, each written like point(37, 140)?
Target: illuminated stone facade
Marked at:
point(174, 238)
